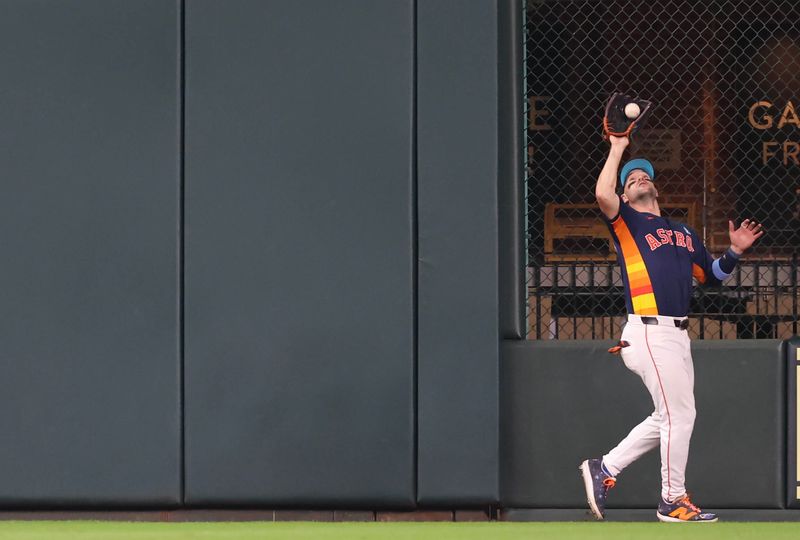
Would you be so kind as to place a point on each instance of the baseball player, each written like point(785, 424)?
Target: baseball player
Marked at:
point(658, 258)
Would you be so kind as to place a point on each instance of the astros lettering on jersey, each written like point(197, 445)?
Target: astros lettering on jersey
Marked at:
point(658, 258)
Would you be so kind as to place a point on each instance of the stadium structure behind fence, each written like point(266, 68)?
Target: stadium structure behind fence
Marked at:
point(724, 137)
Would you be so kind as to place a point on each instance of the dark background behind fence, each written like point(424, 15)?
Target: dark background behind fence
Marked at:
point(724, 138)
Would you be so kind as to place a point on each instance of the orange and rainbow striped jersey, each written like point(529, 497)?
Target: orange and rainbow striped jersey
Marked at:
point(658, 258)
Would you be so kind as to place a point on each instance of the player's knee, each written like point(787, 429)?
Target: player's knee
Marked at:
point(684, 420)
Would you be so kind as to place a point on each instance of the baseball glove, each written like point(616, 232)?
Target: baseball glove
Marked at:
point(616, 123)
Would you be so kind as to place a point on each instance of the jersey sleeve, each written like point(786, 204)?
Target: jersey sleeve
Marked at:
point(702, 262)
point(626, 215)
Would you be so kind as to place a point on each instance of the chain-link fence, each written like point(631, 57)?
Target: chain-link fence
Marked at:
point(724, 137)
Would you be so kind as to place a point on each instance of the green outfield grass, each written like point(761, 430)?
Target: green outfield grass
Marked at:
point(84, 530)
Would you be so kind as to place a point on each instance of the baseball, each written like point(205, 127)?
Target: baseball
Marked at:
point(632, 110)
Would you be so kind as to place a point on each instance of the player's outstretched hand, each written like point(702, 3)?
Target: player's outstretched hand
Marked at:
point(744, 237)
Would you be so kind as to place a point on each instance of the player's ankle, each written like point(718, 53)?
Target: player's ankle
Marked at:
point(673, 500)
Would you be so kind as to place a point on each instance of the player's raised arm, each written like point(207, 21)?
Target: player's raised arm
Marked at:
point(709, 271)
point(742, 239)
point(606, 189)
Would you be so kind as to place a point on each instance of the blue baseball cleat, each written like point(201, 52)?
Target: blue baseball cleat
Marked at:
point(597, 484)
point(683, 511)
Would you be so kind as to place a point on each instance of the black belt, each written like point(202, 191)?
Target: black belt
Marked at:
point(683, 324)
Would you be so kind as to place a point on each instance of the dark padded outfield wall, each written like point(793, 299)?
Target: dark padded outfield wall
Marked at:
point(510, 177)
point(89, 214)
point(458, 258)
point(569, 400)
point(299, 253)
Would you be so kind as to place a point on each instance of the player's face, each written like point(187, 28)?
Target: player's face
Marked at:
point(639, 186)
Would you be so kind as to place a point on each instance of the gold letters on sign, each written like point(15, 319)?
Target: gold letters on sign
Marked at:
point(765, 115)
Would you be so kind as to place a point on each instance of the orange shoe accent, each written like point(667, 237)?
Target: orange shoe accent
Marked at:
point(688, 502)
point(610, 482)
point(682, 513)
point(618, 347)
point(685, 513)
